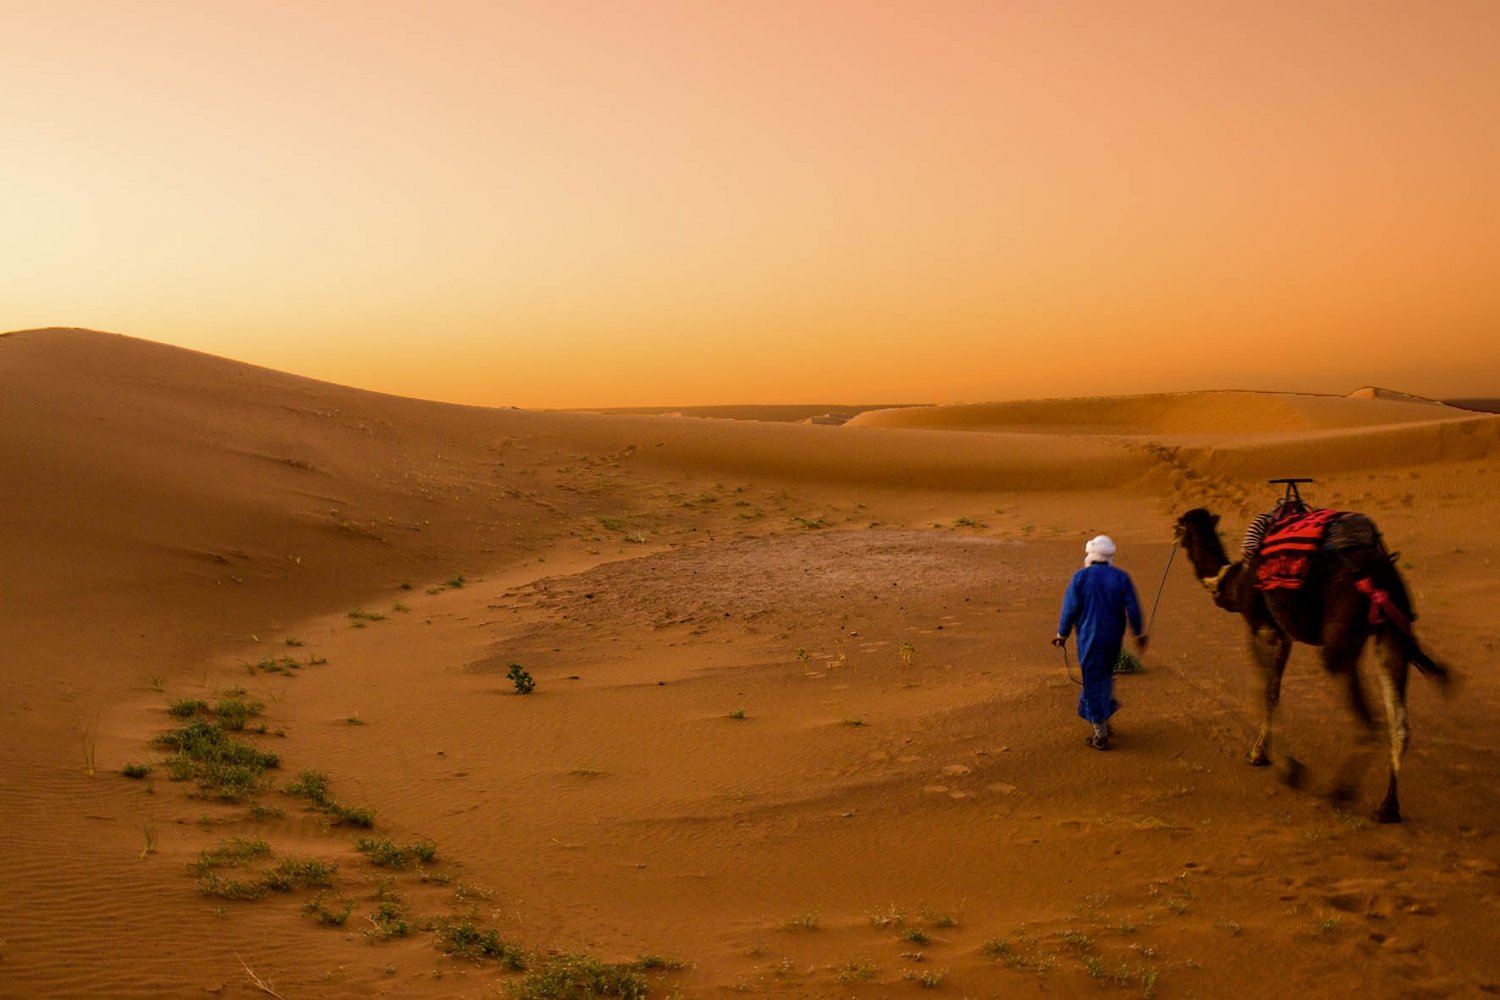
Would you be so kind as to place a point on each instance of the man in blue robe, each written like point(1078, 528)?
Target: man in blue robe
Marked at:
point(1099, 601)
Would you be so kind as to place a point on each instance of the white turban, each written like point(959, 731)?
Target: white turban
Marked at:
point(1100, 548)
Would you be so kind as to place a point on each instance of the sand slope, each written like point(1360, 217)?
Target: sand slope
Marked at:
point(795, 723)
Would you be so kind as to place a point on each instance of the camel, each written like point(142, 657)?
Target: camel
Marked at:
point(1332, 610)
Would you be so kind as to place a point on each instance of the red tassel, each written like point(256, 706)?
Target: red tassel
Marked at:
point(1382, 608)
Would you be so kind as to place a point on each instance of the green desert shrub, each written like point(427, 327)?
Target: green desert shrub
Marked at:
point(313, 786)
point(521, 679)
point(581, 977)
point(462, 938)
point(385, 854)
point(223, 767)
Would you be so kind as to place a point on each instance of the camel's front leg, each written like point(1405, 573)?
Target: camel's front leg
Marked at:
point(1271, 650)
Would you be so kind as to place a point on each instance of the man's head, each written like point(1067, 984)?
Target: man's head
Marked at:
point(1100, 549)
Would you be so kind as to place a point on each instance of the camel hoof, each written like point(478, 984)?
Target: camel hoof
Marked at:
point(1259, 758)
point(1387, 815)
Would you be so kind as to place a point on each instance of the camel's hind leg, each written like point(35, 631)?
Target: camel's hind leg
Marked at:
point(1393, 674)
point(1271, 650)
point(1341, 651)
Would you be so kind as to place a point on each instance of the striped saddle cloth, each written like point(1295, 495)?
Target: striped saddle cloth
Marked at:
point(1286, 555)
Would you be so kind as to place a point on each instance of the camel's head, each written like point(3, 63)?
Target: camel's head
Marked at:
point(1196, 523)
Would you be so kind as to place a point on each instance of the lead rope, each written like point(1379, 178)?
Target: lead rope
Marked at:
point(1154, 604)
point(1068, 664)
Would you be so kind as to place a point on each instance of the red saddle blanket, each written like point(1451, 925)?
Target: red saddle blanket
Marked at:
point(1285, 557)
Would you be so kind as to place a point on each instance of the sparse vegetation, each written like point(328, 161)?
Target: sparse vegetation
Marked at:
point(186, 708)
point(1029, 960)
point(313, 786)
point(463, 939)
point(236, 889)
point(288, 874)
point(856, 972)
point(1128, 663)
point(929, 979)
point(360, 617)
point(804, 922)
point(521, 679)
point(1079, 940)
point(316, 909)
point(738, 713)
point(284, 665)
point(908, 652)
point(580, 977)
point(388, 921)
point(136, 770)
point(223, 767)
point(231, 854)
point(652, 963)
point(233, 711)
point(385, 854)
point(294, 873)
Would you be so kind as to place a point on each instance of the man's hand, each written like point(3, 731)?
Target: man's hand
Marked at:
point(1140, 643)
point(1059, 640)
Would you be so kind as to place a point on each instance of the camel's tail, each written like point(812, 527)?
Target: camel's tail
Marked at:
point(1399, 614)
point(1363, 551)
point(1424, 663)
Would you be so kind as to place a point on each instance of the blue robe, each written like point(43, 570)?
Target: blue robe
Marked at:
point(1098, 601)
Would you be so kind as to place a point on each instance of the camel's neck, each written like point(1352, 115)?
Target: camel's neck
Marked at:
point(1206, 553)
point(1213, 568)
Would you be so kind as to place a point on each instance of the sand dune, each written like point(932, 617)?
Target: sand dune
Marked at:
point(1192, 413)
point(796, 724)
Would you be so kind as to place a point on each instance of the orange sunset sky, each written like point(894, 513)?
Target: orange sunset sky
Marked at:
point(559, 203)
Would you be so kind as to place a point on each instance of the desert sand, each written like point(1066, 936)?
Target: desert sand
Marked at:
point(796, 728)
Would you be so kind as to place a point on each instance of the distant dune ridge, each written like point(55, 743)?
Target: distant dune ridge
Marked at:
point(1216, 412)
point(796, 721)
